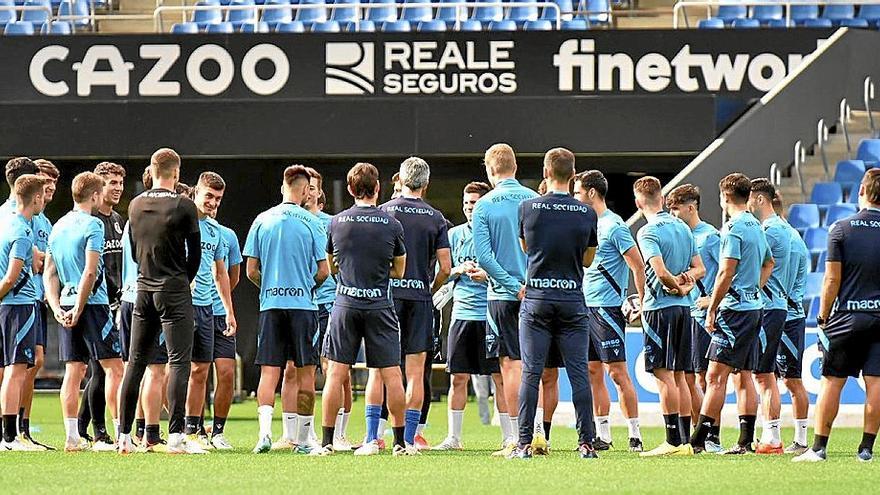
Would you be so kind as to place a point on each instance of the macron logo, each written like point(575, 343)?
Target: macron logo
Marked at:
point(349, 69)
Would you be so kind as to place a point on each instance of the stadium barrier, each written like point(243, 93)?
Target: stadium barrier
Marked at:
point(679, 10)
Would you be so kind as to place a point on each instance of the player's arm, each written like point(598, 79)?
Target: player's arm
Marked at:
point(830, 289)
point(224, 289)
point(86, 284)
point(53, 289)
point(331, 261)
point(486, 258)
point(669, 281)
point(322, 273)
point(252, 269)
point(39, 260)
point(636, 264)
point(234, 276)
point(589, 256)
point(444, 262)
point(193, 254)
point(767, 269)
point(11, 276)
point(398, 266)
point(726, 271)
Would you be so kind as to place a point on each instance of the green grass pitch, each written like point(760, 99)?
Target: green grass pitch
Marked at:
point(471, 471)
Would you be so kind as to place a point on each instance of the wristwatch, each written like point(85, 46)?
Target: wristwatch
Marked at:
point(821, 321)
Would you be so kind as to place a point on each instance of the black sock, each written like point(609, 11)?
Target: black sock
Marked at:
point(140, 427)
point(398, 435)
point(24, 424)
point(673, 437)
point(202, 431)
point(219, 425)
point(100, 431)
point(820, 442)
point(702, 430)
point(328, 433)
point(152, 433)
point(9, 427)
point(547, 425)
point(868, 441)
point(715, 433)
point(746, 429)
point(685, 423)
point(191, 425)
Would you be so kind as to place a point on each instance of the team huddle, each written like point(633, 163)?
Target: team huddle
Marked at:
point(539, 281)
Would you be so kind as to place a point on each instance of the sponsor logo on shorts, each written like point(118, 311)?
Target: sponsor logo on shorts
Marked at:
point(610, 343)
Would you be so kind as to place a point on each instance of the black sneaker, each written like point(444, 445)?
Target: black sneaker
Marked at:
point(587, 451)
point(39, 444)
point(635, 445)
point(600, 444)
point(738, 450)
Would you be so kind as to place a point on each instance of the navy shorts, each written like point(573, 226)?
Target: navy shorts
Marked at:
point(378, 330)
point(502, 339)
point(790, 357)
point(123, 323)
point(607, 337)
point(700, 340)
point(224, 345)
point(466, 349)
point(769, 337)
point(41, 325)
point(94, 337)
point(850, 344)
point(668, 338)
point(288, 335)
point(203, 339)
point(563, 323)
point(416, 320)
point(735, 338)
point(17, 328)
point(323, 320)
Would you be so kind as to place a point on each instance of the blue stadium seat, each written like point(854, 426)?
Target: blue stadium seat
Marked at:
point(838, 12)
point(316, 14)
point(344, 11)
point(205, 17)
point(290, 27)
point(448, 14)
point(239, 17)
point(574, 25)
point(382, 14)
point(185, 28)
point(746, 23)
point(539, 25)
point(814, 285)
point(849, 171)
point(396, 27)
point(502, 25)
point(854, 23)
point(220, 28)
point(18, 28)
point(277, 16)
point(820, 263)
point(869, 152)
point(471, 25)
point(487, 14)
point(255, 27)
point(521, 15)
point(813, 312)
point(7, 16)
point(326, 27)
point(710, 23)
point(35, 17)
point(766, 13)
point(728, 13)
point(825, 194)
point(870, 13)
point(777, 24)
point(597, 11)
point(414, 12)
point(60, 28)
point(818, 23)
point(78, 8)
point(816, 239)
point(836, 212)
point(565, 8)
point(803, 216)
point(800, 13)
point(361, 27)
point(432, 26)
point(852, 194)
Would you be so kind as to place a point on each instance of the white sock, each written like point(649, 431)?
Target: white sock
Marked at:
point(337, 425)
point(514, 429)
point(264, 414)
point(342, 432)
point(303, 428)
point(539, 421)
point(71, 427)
point(603, 428)
point(800, 431)
point(770, 432)
point(455, 420)
point(504, 421)
point(288, 426)
point(383, 423)
point(634, 430)
point(116, 428)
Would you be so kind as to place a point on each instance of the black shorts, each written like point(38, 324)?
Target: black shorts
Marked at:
point(288, 335)
point(700, 340)
point(17, 328)
point(667, 338)
point(378, 330)
point(416, 320)
point(224, 345)
point(769, 337)
point(323, 321)
point(790, 357)
point(735, 338)
point(562, 323)
point(466, 349)
point(123, 323)
point(607, 337)
point(41, 338)
point(502, 339)
point(94, 337)
point(850, 344)
point(203, 338)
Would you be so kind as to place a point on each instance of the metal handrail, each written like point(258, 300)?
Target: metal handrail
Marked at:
point(869, 95)
point(843, 116)
point(800, 155)
point(461, 7)
point(775, 175)
point(681, 5)
point(821, 138)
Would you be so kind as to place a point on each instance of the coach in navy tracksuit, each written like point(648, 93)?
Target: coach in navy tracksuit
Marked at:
point(558, 233)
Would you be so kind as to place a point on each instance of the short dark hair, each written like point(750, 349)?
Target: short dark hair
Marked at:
point(560, 163)
point(17, 167)
point(593, 179)
point(183, 189)
point(27, 186)
point(764, 187)
point(683, 194)
point(871, 181)
point(109, 168)
point(212, 180)
point(650, 188)
point(294, 173)
point(85, 184)
point(363, 179)
point(480, 188)
point(47, 168)
point(165, 161)
point(736, 187)
point(314, 174)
